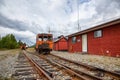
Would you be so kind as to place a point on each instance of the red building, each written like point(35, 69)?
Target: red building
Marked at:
point(103, 39)
point(61, 44)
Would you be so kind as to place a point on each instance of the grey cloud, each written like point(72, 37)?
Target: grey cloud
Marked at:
point(19, 25)
point(1, 2)
point(27, 41)
point(106, 10)
point(6, 22)
point(40, 14)
point(107, 7)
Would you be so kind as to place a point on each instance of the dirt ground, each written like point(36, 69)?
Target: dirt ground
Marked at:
point(31, 49)
point(7, 60)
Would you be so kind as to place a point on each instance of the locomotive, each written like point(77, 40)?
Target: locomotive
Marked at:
point(23, 46)
point(44, 43)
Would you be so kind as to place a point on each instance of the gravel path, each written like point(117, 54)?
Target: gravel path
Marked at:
point(7, 60)
point(104, 62)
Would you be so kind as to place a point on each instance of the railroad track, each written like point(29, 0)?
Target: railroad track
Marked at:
point(53, 70)
point(83, 69)
point(25, 69)
point(58, 68)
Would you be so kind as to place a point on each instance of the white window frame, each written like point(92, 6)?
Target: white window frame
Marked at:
point(98, 33)
point(74, 39)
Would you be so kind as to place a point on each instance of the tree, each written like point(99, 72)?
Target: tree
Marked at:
point(9, 42)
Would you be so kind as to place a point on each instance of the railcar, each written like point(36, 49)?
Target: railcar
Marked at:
point(44, 43)
point(23, 46)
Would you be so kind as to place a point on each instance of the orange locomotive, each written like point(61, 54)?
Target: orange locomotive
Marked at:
point(23, 46)
point(44, 43)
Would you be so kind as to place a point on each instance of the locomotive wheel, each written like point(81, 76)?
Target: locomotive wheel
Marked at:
point(47, 52)
point(39, 51)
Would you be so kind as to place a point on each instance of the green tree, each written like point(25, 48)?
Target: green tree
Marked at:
point(9, 42)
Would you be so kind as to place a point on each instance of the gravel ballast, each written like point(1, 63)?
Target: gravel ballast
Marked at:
point(7, 60)
point(104, 62)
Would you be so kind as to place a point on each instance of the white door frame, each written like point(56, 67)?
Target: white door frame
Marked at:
point(84, 43)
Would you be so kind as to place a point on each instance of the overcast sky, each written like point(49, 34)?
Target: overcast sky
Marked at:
point(26, 18)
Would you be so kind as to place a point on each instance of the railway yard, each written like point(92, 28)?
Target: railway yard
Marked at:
point(29, 65)
point(60, 40)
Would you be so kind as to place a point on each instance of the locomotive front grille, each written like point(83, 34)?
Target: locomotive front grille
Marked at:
point(44, 46)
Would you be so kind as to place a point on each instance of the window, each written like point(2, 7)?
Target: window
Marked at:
point(98, 33)
point(45, 38)
point(39, 39)
point(50, 38)
point(73, 39)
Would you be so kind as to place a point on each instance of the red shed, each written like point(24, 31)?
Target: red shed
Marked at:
point(103, 39)
point(61, 44)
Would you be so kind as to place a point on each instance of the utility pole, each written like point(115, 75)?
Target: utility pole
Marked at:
point(79, 28)
point(49, 31)
point(0, 41)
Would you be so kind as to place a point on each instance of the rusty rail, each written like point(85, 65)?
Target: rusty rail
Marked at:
point(82, 74)
point(114, 74)
point(36, 66)
point(79, 74)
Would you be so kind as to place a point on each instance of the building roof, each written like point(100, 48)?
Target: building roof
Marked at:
point(45, 34)
point(59, 38)
point(117, 21)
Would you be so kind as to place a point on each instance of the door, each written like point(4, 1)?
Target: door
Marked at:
point(84, 43)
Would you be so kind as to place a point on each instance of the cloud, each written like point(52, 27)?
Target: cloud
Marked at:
point(18, 25)
point(25, 36)
point(94, 12)
point(37, 16)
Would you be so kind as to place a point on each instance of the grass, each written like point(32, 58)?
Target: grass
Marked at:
point(31, 49)
point(4, 54)
point(2, 57)
point(3, 49)
point(5, 78)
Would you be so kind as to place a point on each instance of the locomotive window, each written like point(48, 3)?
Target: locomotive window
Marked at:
point(39, 39)
point(45, 38)
point(50, 38)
